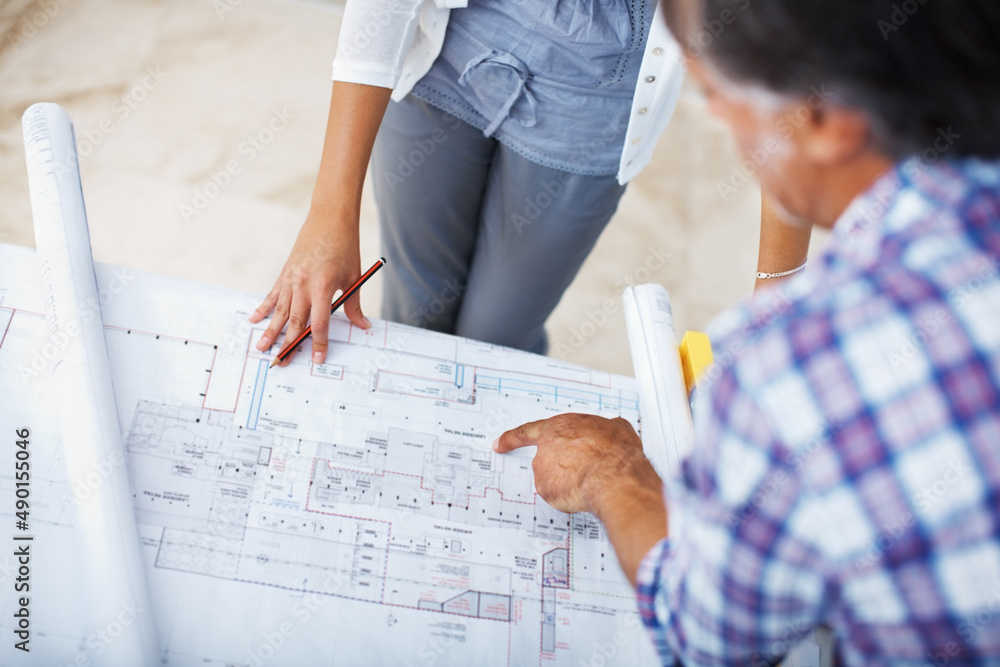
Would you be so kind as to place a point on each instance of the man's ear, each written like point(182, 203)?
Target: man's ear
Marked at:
point(834, 135)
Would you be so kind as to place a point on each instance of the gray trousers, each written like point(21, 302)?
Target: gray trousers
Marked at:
point(480, 241)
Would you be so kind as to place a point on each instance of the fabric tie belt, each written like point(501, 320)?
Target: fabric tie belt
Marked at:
point(500, 70)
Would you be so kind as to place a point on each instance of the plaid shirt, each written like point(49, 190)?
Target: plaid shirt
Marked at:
point(848, 465)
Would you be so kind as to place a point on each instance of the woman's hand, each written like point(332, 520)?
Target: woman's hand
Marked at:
point(324, 259)
point(326, 256)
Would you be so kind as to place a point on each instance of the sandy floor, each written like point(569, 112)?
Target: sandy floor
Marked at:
point(165, 93)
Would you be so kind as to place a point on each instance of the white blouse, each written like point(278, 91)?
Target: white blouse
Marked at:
point(393, 43)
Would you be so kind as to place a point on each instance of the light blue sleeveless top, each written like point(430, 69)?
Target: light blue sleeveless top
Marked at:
point(551, 79)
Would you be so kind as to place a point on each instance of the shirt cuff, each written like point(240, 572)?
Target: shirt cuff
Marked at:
point(359, 73)
point(648, 582)
point(651, 596)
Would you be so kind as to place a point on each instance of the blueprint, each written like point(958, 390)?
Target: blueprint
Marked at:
point(668, 434)
point(349, 513)
point(108, 548)
point(189, 505)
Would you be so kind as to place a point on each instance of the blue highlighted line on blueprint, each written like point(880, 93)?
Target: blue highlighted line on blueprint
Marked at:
point(253, 414)
point(602, 400)
point(459, 375)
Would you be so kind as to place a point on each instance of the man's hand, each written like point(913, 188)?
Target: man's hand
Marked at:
point(591, 464)
point(580, 457)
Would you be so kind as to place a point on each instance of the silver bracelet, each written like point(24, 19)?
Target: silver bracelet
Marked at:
point(764, 276)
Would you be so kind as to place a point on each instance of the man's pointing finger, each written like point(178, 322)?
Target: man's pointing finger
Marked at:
point(525, 435)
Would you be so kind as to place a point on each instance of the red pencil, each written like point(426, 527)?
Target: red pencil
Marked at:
point(336, 304)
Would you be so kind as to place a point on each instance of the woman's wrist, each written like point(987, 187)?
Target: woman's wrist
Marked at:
point(763, 275)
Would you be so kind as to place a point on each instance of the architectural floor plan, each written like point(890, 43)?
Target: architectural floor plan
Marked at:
point(349, 513)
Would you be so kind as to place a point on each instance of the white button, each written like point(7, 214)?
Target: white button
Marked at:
point(643, 111)
point(657, 51)
point(635, 142)
point(629, 163)
point(650, 79)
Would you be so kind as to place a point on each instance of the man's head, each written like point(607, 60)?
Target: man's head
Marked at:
point(824, 95)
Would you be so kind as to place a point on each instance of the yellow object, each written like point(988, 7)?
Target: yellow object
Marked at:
point(696, 356)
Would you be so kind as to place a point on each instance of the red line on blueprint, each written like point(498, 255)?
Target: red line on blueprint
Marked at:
point(243, 372)
point(510, 628)
point(215, 352)
point(7, 328)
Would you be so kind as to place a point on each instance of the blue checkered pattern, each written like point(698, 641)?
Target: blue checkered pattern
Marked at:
point(848, 465)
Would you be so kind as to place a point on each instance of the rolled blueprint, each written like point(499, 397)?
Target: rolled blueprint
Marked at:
point(667, 431)
point(120, 624)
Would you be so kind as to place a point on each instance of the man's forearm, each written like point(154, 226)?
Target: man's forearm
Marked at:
point(635, 517)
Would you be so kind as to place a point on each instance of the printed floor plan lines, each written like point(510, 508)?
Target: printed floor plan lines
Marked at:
point(357, 504)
